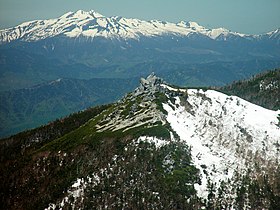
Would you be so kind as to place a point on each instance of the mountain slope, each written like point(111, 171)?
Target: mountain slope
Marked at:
point(31, 107)
point(262, 89)
point(160, 147)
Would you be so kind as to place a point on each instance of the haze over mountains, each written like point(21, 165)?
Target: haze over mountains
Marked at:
point(85, 45)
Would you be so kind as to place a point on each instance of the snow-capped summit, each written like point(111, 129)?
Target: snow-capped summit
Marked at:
point(194, 26)
point(80, 14)
point(91, 24)
point(274, 34)
point(215, 33)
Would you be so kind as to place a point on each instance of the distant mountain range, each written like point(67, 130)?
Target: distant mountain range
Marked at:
point(91, 24)
point(159, 147)
point(84, 45)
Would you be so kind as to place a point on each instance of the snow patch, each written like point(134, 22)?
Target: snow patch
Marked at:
point(153, 140)
point(76, 191)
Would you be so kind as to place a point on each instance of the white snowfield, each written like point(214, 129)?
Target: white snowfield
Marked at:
point(226, 133)
point(92, 24)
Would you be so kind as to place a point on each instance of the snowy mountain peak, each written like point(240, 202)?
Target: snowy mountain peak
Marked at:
point(215, 33)
point(182, 24)
point(274, 34)
point(95, 14)
point(194, 25)
point(81, 14)
point(191, 25)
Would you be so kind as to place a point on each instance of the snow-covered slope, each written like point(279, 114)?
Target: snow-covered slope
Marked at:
point(92, 24)
point(226, 133)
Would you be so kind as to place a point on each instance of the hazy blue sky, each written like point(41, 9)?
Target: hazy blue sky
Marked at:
point(246, 16)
